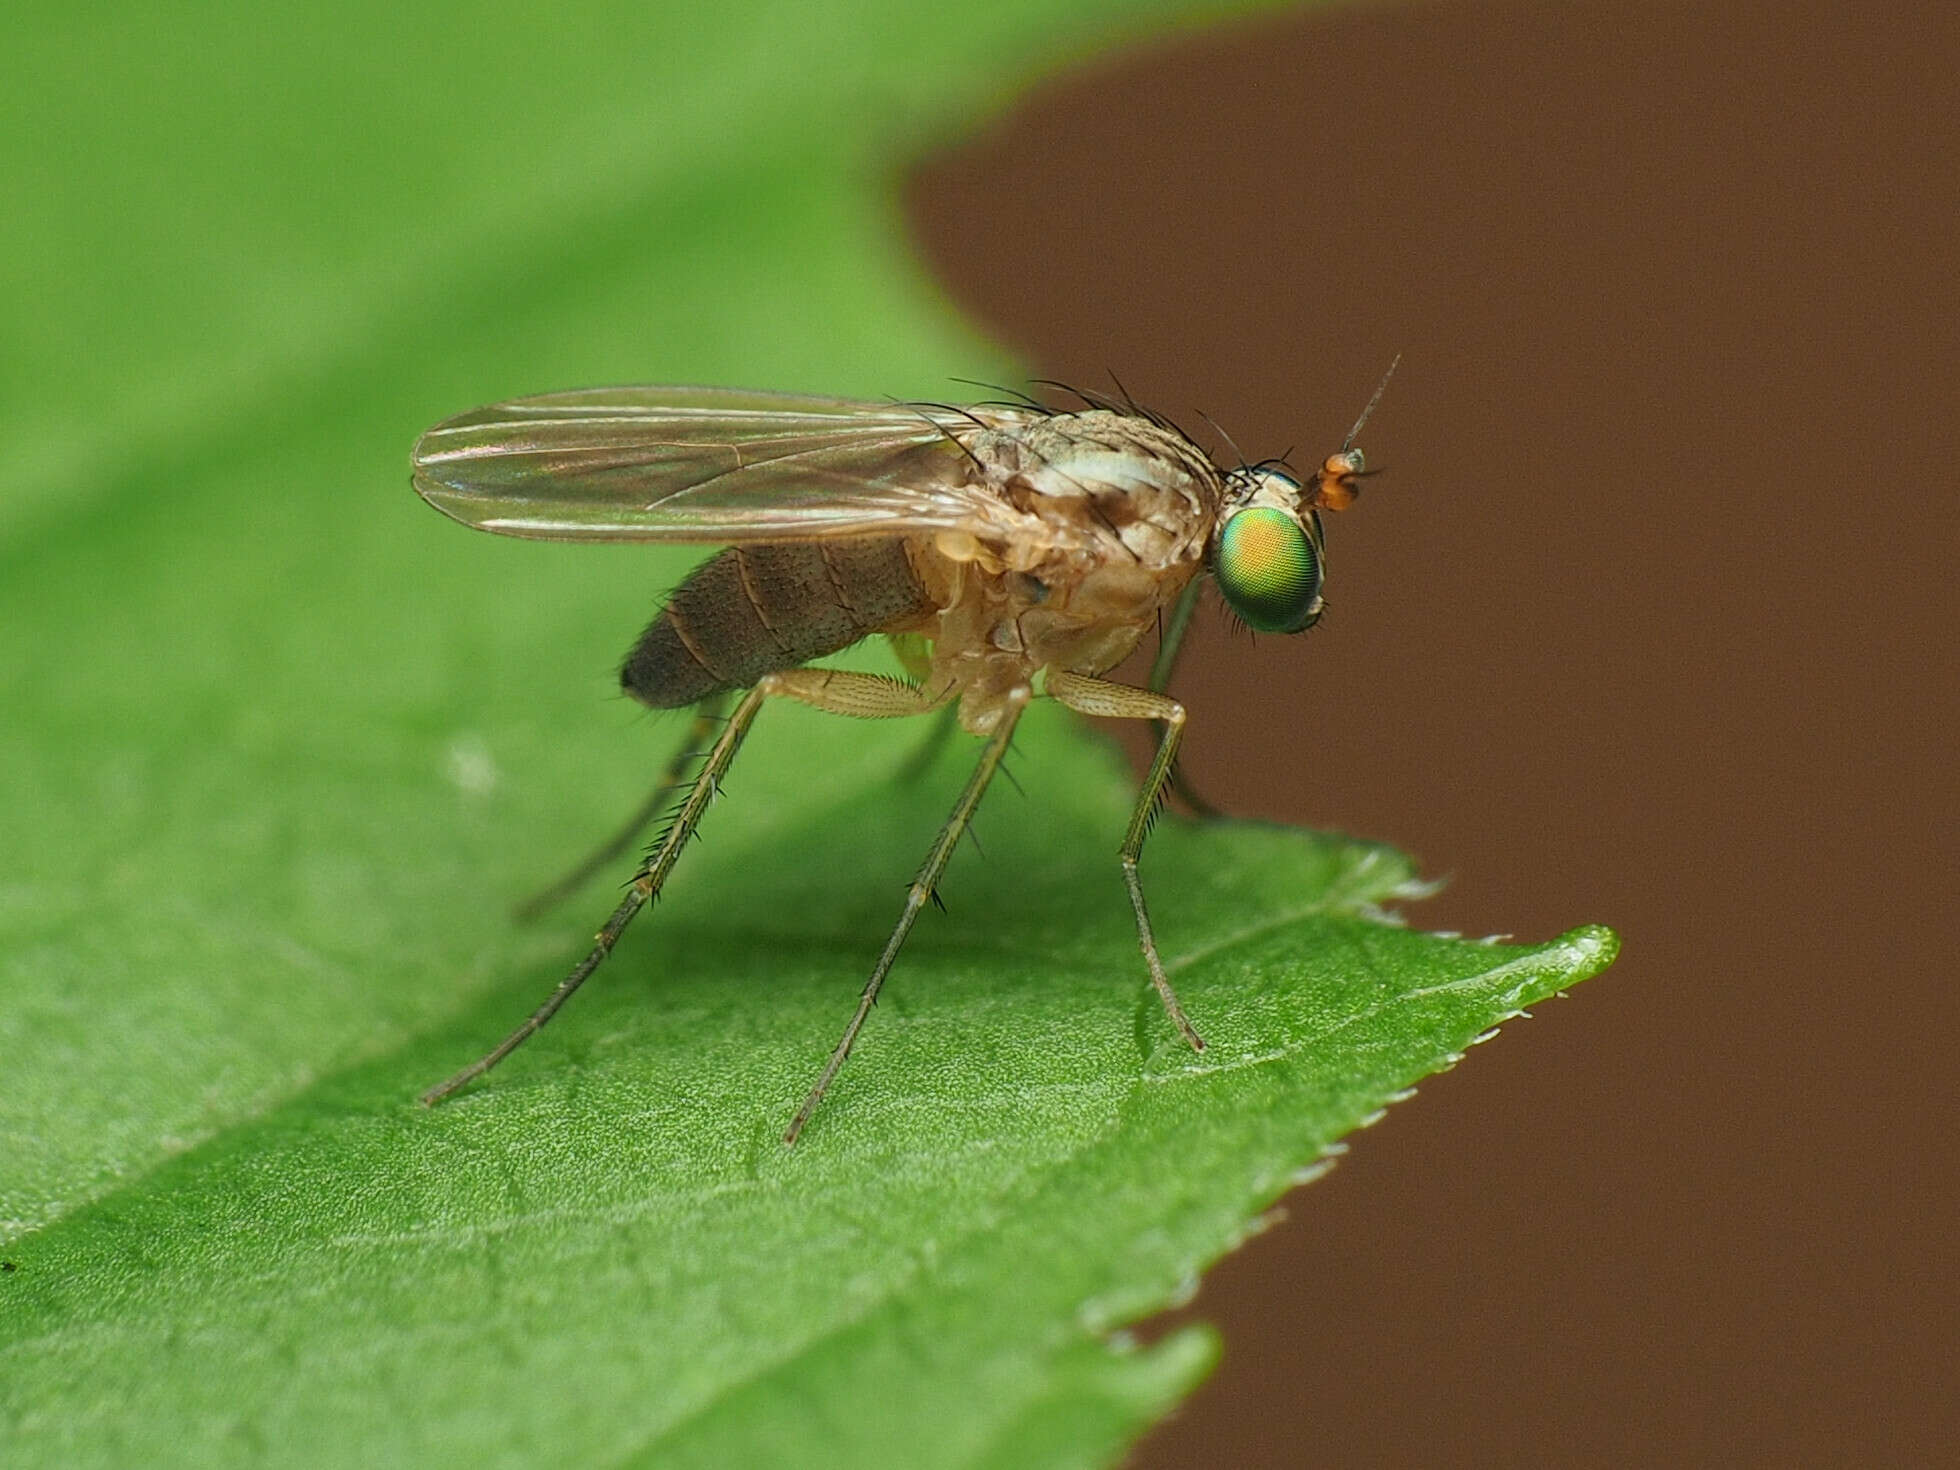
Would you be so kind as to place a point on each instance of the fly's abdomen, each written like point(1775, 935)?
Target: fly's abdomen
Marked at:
point(753, 610)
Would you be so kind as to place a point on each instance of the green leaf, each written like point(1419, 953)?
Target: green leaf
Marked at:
point(282, 746)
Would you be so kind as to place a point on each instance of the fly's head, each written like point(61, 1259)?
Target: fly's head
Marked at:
point(1266, 548)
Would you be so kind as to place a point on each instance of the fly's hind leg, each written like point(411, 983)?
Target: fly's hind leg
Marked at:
point(645, 887)
point(1119, 701)
point(707, 715)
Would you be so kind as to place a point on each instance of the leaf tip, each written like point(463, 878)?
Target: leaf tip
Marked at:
point(1592, 948)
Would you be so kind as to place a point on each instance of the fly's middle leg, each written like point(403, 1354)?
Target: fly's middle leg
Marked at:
point(927, 750)
point(915, 653)
point(925, 885)
point(1119, 701)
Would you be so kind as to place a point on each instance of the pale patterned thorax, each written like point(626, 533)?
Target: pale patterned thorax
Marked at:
point(1105, 519)
point(1107, 474)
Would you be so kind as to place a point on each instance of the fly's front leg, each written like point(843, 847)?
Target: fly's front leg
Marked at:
point(1119, 701)
point(1168, 647)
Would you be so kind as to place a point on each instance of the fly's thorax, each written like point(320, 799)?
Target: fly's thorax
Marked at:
point(1104, 519)
point(998, 627)
point(1108, 612)
point(1099, 485)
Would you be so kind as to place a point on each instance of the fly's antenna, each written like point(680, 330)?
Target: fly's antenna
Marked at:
point(1380, 388)
point(1341, 473)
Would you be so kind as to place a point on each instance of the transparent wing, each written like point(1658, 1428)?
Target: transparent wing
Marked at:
point(706, 464)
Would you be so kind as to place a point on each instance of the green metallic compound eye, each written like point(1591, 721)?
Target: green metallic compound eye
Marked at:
point(1269, 570)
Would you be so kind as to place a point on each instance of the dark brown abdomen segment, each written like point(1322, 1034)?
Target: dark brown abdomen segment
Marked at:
point(752, 610)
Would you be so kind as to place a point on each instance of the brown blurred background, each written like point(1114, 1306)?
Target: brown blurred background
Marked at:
point(1650, 621)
